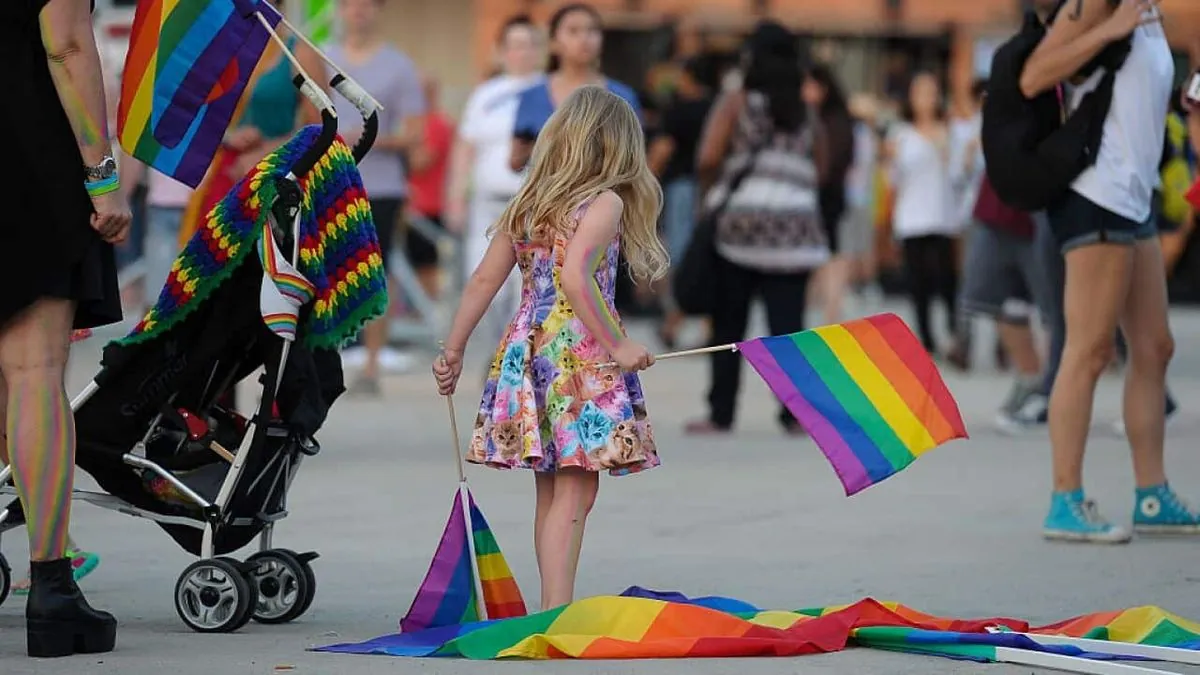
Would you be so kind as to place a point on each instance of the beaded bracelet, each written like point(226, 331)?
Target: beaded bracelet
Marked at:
point(103, 186)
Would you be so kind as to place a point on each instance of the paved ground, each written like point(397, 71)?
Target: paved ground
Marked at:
point(758, 517)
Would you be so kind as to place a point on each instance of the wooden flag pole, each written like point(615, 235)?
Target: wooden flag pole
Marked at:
point(464, 502)
point(731, 347)
point(283, 46)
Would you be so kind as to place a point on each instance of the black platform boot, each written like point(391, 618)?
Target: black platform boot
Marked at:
point(59, 621)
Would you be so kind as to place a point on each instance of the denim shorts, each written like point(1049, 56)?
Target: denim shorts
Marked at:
point(1077, 221)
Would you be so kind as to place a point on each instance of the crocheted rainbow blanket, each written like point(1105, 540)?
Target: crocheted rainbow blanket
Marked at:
point(339, 249)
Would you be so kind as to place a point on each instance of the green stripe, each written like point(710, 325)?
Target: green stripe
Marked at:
point(1168, 633)
point(176, 25)
point(851, 396)
point(485, 543)
point(894, 638)
point(487, 643)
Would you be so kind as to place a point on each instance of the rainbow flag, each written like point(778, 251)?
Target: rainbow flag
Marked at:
point(284, 290)
point(646, 624)
point(188, 64)
point(865, 390)
point(448, 597)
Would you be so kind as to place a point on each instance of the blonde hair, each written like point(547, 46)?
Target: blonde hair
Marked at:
point(591, 144)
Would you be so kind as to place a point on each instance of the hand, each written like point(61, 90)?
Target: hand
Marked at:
point(1129, 15)
point(632, 356)
point(112, 217)
point(242, 139)
point(447, 368)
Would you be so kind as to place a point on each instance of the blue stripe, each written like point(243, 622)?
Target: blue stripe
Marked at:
point(183, 58)
point(810, 385)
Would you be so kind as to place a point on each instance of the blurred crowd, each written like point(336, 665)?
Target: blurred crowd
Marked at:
point(897, 193)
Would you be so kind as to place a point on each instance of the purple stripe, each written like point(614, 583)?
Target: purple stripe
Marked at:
point(845, 463)
point(441, 571)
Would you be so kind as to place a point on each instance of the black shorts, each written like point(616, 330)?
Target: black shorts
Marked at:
point(386, 213)
point(1076, 221)
point(421, 252)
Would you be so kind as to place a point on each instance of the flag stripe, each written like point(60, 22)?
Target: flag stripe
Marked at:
point(911, 352)
point(851, 396)
point(867, 377)
point(849, 466)
point(914, 392)
point(442, 573)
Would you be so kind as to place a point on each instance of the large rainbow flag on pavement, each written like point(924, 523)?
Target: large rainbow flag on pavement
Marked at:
point(646, 624)
point(865, 390)
point(449, 594)
point(187, 67)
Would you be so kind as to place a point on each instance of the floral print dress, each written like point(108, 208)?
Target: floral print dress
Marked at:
point(549, 401)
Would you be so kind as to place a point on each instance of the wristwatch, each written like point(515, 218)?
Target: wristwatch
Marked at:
point(105, 169)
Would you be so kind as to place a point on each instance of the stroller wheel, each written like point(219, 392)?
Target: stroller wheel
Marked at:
point(282, 586)
point(306, 562)
point(5, 578)
point(214, 596)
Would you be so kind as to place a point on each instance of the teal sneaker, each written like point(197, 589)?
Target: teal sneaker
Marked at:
point(1074, 518)
point(1158, 510)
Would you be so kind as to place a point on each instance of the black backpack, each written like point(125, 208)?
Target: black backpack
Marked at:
point(1032, 154)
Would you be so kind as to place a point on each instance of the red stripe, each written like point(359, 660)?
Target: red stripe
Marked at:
point(910, 351)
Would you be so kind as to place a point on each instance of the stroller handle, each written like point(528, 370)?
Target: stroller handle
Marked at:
point(366, 106)
point(328, 125)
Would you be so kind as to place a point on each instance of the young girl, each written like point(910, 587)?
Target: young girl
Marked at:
point(554, 402)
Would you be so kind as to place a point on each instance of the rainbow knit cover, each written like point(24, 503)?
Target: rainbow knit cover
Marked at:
point(339, 249)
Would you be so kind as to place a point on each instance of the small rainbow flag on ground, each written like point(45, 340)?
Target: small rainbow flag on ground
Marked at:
point(448, 596)
point(188, 64)
point(865, 390)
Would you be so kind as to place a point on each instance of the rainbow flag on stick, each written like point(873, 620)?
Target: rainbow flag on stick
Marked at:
point(187, 67)
point(865, 390)
point(467, 563)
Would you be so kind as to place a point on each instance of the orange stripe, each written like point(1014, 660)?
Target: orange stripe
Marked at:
point(911, 391)
point(501, 591)
point(142, 45)
point(676, 620)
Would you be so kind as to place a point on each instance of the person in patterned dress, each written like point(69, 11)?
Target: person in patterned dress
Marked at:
point(563, 397)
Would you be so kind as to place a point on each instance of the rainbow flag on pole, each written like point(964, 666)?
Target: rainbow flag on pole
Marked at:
point(865, 390)
point(449, 594)
point(188, 64)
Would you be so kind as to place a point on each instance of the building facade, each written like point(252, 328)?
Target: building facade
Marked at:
point(453, 39)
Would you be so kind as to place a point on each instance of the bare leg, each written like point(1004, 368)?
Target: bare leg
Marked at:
point(562, 535)
point(40, 425)
point(833, 280)
point(544, 486)
point(1018, 343)
point(1150, 346)
point(1096, 290)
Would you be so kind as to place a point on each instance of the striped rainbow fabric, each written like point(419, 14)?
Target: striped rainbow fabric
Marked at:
point(865, 390)
point(188, 64)
point(284, 290)
point(447, 597)
point(648, 624)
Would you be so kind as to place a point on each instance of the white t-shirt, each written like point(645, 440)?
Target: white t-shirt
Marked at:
point(1126, 173)
point(487, 123)
point(924, 194)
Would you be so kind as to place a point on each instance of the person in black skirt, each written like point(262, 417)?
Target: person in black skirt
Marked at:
point(63, 213)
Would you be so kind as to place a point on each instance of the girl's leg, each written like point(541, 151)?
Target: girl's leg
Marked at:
point(562, 535)
point(40, 425)
point(920, 287)
point(1157, 508)
point(544, 487)
point(1097, 286)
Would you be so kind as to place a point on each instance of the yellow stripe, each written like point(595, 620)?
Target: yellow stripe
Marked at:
point(625, 618)
point(492, 567)
point(1133, 625)
point(776, 619)
point(877, 389)
point(138, 119)
point(538, 646)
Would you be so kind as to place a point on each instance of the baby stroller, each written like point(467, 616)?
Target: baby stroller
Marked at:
point(153, 429)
